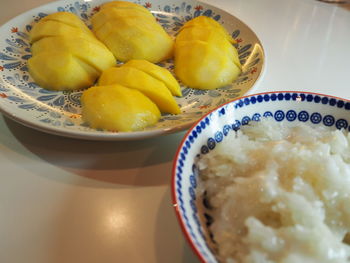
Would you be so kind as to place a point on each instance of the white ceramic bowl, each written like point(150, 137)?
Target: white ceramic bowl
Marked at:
point(289, 107)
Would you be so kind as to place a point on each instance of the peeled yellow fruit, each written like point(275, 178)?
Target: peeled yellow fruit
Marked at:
point(117, 9)
point(208, 23)
point(87, 51)
point(65, 53)
point(131, 32)
point(122, 5)
point(204, 55)
point(157, 72)
point(200, 65)
point(118, 108)
point(136, 79)
point(58, 24)
point(130, 97)
point(63, 72)
point(211, 36)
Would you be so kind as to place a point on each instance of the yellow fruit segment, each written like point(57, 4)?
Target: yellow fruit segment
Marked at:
point(45, 30)
point(118, 108)
point(212, 36)
point(68, 19)
point(208, 23)
point(131, 32)
point(139, 80)
point(65, 53)
point(93, 52)
point(128, 39)
point(125, 5)
point(61, 72)
point(201, 65)
point(157, 72)
point(204, 55)
point(104, 16)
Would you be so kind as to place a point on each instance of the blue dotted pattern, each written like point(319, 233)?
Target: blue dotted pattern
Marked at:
point(328, 120)
point(341, 124)
point(316, 118)
point(256, 117)
point(278, 115)
point(291, 115)
point(303, 116)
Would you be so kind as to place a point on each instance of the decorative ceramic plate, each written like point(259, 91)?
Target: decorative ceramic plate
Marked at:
point(211, 130)
point(59, 112)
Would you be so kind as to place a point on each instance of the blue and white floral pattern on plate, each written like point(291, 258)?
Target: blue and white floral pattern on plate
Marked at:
point(289, 107)
point(60, 112)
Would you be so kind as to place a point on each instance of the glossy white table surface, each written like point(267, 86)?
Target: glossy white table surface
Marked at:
point(65, 200)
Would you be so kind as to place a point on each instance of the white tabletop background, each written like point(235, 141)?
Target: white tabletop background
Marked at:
point(65, 200)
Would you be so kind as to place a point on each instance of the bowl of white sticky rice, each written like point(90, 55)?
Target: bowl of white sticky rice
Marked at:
point(266, 179)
